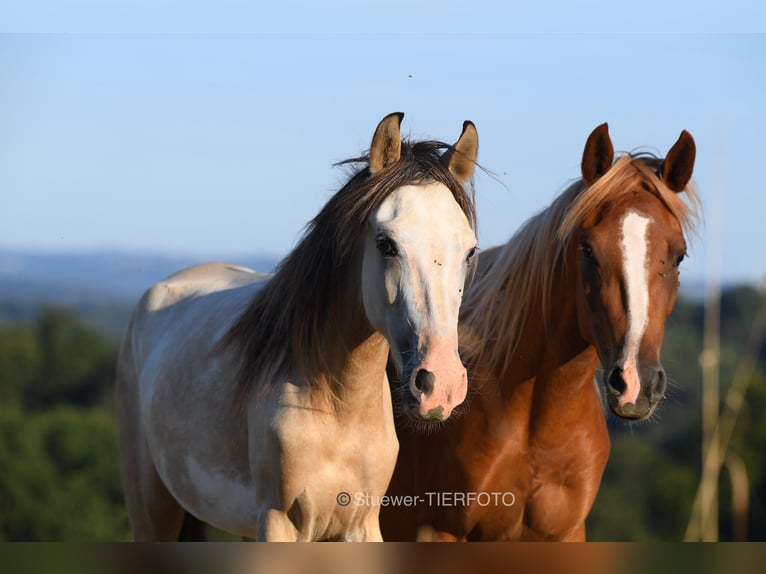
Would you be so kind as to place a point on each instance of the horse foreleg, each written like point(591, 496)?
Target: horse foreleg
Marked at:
point(577, 534)
point(154, 514)
point(276, 526)
point(370, 531)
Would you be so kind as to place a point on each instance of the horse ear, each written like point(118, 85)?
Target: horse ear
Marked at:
point(461, 159)
point(386, 146)
point(598, 154)
point(676, 170)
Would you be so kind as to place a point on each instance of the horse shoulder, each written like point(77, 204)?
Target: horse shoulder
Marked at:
point(177, 368)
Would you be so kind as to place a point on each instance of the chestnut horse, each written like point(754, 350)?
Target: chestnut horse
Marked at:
point(589, 280)
point(256, 403)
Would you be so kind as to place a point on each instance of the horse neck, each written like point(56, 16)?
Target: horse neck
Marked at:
point(551, 370)
point(545, 347)
point(561, 339)
point(357, 358)
point(362, 374)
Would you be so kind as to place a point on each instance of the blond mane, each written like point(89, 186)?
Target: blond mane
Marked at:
point(520, 281)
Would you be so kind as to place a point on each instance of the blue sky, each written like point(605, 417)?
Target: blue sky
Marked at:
point(172, 128)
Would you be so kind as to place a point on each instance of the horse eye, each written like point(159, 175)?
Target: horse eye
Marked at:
point(587, 252)
point(680, 259)
point(386, 246)
point(471, 253)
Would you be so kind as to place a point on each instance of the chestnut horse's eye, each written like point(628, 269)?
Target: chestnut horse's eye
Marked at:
point(386, 246)
point(587, 252)
point(680, 259)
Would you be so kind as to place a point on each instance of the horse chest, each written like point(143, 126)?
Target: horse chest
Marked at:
point(563, 485)
point(553, 483)
point(325, 450)
point(322, 457)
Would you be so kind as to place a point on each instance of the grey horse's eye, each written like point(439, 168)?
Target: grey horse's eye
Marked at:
point(386, 246)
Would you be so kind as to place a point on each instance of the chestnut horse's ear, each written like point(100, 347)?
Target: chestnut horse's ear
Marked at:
point(598, 155)
point(461, 159)
point(676, 170)
point(386, 146)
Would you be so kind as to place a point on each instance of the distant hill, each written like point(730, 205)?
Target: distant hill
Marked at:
point(102, 286)
point(70, 277)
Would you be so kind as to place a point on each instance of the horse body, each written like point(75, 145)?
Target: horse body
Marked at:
point(214, 427)
point(539, 450)
point(174, 404)
point(214, 461)
point(589, 280)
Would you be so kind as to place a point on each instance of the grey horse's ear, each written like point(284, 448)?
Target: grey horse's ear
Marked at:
point(598, 154)
point(676, 170)
point(386, 146)
point(461, 159)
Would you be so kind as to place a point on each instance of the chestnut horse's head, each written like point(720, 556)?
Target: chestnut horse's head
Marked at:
point(628, 227)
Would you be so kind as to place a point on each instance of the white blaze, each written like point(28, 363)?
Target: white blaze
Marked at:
point(634, 250)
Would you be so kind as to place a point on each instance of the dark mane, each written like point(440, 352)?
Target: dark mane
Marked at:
point(522, 278)
point(291, 323)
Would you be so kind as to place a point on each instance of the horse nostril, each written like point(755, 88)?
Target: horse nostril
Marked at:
point(424, 381)
point(659, 386)
point(615, 381)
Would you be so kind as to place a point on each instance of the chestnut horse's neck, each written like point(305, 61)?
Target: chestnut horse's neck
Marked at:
point(540, 348)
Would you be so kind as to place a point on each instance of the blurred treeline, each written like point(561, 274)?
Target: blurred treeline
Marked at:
point(59, 460)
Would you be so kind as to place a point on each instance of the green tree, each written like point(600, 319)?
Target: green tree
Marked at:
point(76, 363)
point(19, 363)
point(60, 478)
